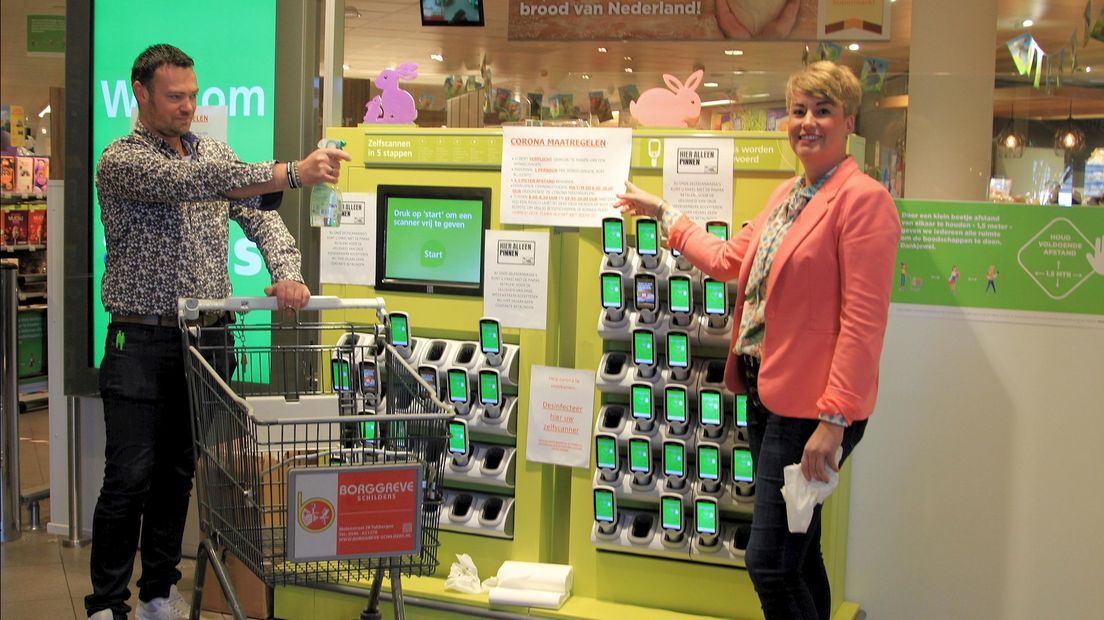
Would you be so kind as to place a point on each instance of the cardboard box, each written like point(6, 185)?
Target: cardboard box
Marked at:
point(15, 226)
point(41, 174)
point(7, 173)
point(24, 175)
point(254, 597)
point(36, 224)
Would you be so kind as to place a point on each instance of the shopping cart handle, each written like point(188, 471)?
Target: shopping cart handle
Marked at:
point(190, 307)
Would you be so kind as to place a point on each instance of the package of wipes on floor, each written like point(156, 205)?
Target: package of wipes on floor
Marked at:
point(531, 584)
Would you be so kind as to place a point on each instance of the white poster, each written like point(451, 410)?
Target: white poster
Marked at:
point(348, 252)
point(562, 176)
point(697, 177)
point(515, 278)
point(561, 409)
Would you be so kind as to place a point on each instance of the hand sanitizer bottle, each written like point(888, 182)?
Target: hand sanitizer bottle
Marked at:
point(325, 203)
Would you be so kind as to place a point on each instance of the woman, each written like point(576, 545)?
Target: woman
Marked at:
point(815, 269)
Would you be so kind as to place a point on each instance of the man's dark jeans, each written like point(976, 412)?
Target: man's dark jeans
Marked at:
point(149, 466)
point(786, 569)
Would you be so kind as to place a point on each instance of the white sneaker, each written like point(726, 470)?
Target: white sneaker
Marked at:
point(171, 607)
point(103, 614)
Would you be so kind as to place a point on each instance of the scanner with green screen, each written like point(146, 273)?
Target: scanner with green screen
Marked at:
point(741, 465)
point(612, 296)
point(458, 385)
point(705, 516)
point(605, 452)
point(709, 407)
point(716, 296)
point(605, 506)
point(613, 235)
point(429, 375)
point(490, 336)
point(647, 237)
point(342, 382)
point(678, 349)
point(741, 410)
point(671, 509)
point(458, 437)
point(369, 431)
point(644, 347)
point(709, 462)
point(675, 403)
point(678, 294)
point(400, 329)
point(674, 459)
point(717, 229)
point(369, 381)
point(640, 455)
point(488, 387)
point(642, 406)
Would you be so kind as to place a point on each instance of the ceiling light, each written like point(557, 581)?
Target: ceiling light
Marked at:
point(716, 102)
point(1069, 136)
point(710, 85)
point(437, 57)
point(757, 96)
point(1027, 23)
point(1009, 141)
point(346, 67)
point(43, 131)
point(585, 76)
point(627, 57)
point(352, 12)
point(1088, 69)
point(734, 52)
point(44, 111)
point(602, 50)
point(854, 47)
point(738, 72)
point(628, 69)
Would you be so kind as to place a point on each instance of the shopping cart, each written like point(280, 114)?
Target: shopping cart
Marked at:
point(315, 463)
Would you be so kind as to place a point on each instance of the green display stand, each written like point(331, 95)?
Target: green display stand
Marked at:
point(553, 515)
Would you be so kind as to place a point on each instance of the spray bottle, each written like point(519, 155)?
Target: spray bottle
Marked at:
point(325, 204)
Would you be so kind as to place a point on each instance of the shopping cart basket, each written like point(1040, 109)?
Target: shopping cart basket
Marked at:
point(315, 463)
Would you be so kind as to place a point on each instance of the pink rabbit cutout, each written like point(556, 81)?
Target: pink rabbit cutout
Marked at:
point(678, 107)
point(393, 105)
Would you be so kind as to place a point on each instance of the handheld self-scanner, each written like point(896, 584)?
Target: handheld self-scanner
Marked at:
point(605, 456)
point(341, 375)
point(717, 229)
point(644, 297)
point(674, 461)
point(458, 392)
point(647, 242)
point(716, 302)
point(429, 375)
point(605, 509)
point(705, 520)
point(741, 411)
point(644, 352)
point(613, 298)
point(369, 383)
point(678, 354)
point(711, 412)
point(458, 445)
point(742, 473)
point(680, 300)
point(490, 340)
point(369, 431)
point(490, 392)
point(674, 408)
point(709, 466)
point(671, 517)
point(642, 406)
point(398, 333)
point(640, 459)
point(613, 240)
point(681, 262)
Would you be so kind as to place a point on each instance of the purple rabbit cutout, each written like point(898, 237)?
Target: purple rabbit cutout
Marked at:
point(393, 105)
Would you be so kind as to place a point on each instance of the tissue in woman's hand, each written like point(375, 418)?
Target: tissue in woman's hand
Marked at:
point(803, 495)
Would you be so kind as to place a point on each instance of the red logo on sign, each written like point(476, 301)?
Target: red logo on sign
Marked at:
point(316, 515)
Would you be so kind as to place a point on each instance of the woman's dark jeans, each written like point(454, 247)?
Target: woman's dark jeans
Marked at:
point(786, 569)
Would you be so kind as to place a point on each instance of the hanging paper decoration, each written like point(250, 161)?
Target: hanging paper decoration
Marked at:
point(874, 74)
point(678, 105)
point(827, 50)
point(393, 104)
point(1025, 53)
point(1086, 17)
point(1098, 27)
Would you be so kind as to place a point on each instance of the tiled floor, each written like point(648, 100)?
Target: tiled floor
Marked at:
point(38, 577)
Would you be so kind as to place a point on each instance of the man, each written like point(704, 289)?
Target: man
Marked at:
point(166, 196)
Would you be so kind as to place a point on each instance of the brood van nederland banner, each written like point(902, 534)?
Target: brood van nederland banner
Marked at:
point(696, 20)
point(1024, 263)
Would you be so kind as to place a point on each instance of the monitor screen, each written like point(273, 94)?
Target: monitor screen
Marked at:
point(488, 387)
point(709, 462)
point(741, 410)
point(640, 455)
point(611, 290)
point(709, 405)
point(644, 347)
point(452, 12)
point(678, 350)
point(674, 459)
point(672, 513)
point(675, 404)
point(490, 336)
point(605, 452)
point(715, 297)
point(678, 294)
point(705, 516)
point(458, 385)
point(613, 235)
point(605, 510)
point(431, 238)
point(641, 401)
point(741, 465)
point(647, 237)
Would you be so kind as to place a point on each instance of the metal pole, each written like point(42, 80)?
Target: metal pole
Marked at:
point(72, 410)
point(9, 408)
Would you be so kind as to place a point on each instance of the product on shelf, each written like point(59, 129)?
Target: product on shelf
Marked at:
point(41, 174)
point(36, 225)
point(7, 173)
point(15, 226)
point(24, 175)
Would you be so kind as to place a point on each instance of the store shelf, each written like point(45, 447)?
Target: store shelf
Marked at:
point(20, 196)
point(22, 247)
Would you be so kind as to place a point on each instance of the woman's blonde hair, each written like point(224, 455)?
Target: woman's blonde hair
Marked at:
point(827, 80)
